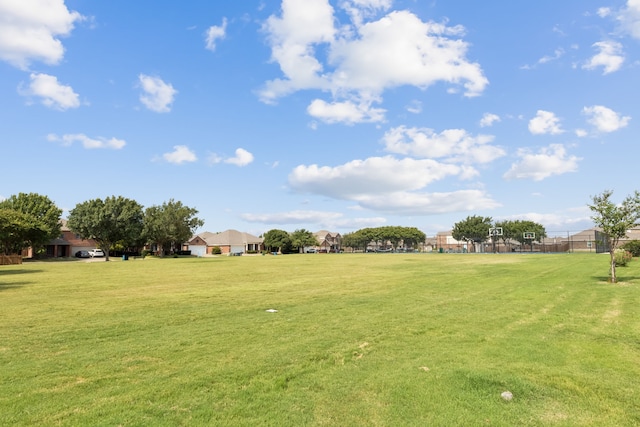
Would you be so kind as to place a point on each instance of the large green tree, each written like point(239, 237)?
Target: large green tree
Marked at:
point(514, 230)
point(43, 214)
point(170, 225)
point(301, 238)
point(473, 228)
point(615, 220)
point(109, 221)
point(276, 239)
point(17, 231)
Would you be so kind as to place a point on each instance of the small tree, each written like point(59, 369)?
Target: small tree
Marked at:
point(614, 221)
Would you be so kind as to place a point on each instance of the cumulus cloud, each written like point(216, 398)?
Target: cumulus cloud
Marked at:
point(410, 203)
point(360, 60)
point(558, 222)
point(215, 33)
point(323, 219)
point(291, 217)
point(452, 145)
point(545, 122)
point(549, 161)
point(242, 158)
point(605, 119)
point(156, 94)
point(346, 112)
point(415, 107)
point(629, 18)
point(389, 184)
point(52, 93)
point(610, 57)
point(30, 30)
point(488, 119)
point(87, 142)
point(180, 154)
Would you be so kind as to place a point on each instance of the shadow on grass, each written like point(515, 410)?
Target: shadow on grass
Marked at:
point(4, 272)
point(619, 277)
point(9, 272)
point(7, 286)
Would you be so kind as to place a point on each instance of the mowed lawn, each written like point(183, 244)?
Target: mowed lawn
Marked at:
point(357, 340)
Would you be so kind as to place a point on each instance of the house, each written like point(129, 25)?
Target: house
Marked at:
point(328, 241)
point(65, 245)
point(229, 242)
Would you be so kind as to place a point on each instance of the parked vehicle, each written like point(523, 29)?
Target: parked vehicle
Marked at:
point(83, 254)
point(95, 253)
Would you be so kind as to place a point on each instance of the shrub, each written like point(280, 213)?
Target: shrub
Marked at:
point(633, 246)
point(622, 257)
point(216, 250)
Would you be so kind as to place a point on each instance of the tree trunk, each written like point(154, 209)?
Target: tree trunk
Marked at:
point(612, 274)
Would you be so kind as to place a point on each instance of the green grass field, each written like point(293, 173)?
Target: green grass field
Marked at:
point(358, 340)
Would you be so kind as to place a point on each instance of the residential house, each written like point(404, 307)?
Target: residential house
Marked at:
point(66, 245)
point(327, 241)
point(229, 242)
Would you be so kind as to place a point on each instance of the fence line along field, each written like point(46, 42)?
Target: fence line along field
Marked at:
point(321, 340)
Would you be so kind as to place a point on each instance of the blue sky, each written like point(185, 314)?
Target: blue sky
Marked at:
point(321, 114)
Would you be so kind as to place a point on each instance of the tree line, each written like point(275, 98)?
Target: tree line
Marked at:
point(408, 237)
point(478, 229)
point(33, 220)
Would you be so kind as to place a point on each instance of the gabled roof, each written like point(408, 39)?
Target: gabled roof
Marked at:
point(228, 238)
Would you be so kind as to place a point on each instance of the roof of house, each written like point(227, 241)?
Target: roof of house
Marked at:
point(228, 238)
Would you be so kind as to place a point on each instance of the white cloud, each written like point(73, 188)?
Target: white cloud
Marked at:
point(373, 175)
point(605, 119)
point(557, 54)
point(603, 12)
point(545, 122)
point(242, 158)
point(415, 107)
point(452, 145)
point(629, 18)
point(360, 61)
point(180, 154)
point(157, 95)
point(345, 112)
point(488, 119)
point(291, 217)
point(323, 219)
point(215, 33)
point(558, 223)
point(409, 203)
point(390, 185)
point(54, 94)
point(549, 161)
point(30, 31)
point(87, 142)
point(358, 10)
point(610, 57)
